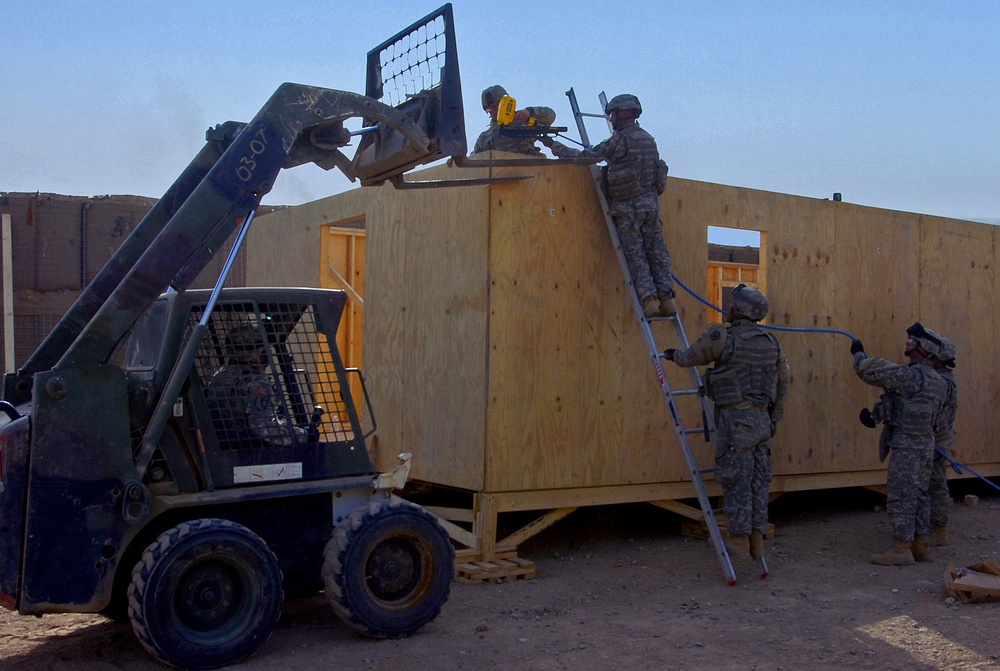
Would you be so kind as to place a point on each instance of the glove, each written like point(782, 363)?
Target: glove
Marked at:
point(866, 418)
point(546, 140)
point(668, 354)
point(856, 346)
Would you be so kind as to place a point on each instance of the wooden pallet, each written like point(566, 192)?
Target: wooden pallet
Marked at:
point(498, 570)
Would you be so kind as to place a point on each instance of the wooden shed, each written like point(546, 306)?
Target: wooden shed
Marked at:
point(500, 348)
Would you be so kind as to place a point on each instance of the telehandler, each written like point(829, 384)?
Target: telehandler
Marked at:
point(186, 458)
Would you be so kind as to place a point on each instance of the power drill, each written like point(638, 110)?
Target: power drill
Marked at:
point(507, 110)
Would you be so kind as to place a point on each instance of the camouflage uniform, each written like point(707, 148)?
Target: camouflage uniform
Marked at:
point(247, 410)
point(633, 181)
point(944, 438)
point(493, 139)
point(749, 385)
point(909, 407)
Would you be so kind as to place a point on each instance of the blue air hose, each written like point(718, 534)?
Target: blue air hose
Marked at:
point(793, 329)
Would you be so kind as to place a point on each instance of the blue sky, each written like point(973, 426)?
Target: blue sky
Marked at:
point(892, 104)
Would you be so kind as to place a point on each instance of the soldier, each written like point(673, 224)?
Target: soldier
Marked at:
point(492, 138)
point(908, 409)
point(944, 438)
point(749, 385)
point(243, 398)
point(634, 178)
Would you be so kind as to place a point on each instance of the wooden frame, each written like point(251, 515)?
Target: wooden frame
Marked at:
point(510, 366)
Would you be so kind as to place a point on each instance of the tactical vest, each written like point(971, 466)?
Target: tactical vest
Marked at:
point(917, 414)
point(636, 172)
point(750, 372)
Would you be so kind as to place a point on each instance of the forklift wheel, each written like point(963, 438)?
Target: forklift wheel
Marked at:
point(388, 569)
point(206, 594)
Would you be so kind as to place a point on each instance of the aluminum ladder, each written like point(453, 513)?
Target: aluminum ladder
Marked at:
point(655, 355)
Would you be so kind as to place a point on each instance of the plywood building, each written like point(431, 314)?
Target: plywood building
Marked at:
point(500, 349)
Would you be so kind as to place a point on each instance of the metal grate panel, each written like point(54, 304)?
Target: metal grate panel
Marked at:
point(265, 369)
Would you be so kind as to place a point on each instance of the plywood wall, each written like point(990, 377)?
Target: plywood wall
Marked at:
point(501, 349)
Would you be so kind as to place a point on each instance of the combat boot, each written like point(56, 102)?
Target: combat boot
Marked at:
point(900, 555)
point(738, 546)
point(756, 544)
point(920, 548)
point(651, 307)
point(667, 307)
point(938, 537)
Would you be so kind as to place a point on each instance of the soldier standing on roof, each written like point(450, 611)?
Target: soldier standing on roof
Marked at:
point(633, 181)
point(944, 438)
point(749, 384)
point(909, 409)
point(491, 138)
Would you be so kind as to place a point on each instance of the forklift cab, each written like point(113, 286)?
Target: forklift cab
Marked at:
point(267, 398)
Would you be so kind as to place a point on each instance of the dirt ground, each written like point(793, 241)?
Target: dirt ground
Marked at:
point(618, 587)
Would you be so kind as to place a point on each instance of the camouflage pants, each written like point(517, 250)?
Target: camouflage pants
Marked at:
point(743, 467)
point(641, 235)
point(938, 492)
point(907, 501)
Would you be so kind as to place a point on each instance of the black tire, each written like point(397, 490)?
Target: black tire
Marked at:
point(177, 600)
point(388, 569)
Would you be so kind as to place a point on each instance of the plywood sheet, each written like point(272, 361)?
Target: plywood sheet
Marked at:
point(500, 346)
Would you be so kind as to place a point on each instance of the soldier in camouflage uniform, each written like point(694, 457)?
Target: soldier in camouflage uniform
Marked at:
point(749, 385)
point(944, 438)
point(493, 139)
point(242, 396)
point(634, 178)
point(908, 409)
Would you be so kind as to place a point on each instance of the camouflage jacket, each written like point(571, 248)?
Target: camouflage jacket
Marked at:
point(634, 173)
point(493, 139)
point(245, 406)
point(912, 402)
point(750, 370)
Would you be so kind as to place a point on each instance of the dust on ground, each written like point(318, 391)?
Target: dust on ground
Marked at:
point(618, 587)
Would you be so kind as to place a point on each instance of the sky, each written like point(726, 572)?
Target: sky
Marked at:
point(892, 104)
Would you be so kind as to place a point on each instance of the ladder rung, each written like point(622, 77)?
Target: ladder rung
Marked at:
point(687, 392)
point(706, 469)
point(695, 431)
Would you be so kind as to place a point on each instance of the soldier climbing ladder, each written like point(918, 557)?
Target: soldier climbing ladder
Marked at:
point(655, 355)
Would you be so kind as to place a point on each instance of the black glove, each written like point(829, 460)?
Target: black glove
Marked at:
point(856, 346)
point(866, 418)
point(668, 353)
point(315, 419)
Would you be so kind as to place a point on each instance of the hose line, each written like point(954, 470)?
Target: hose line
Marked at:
point(956, 465)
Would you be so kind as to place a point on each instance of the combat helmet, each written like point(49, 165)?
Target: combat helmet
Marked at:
point(245, 343)
point(929, 340)
point(750, 302)
point(947, 353)
point(492, 95)
point(625, 101)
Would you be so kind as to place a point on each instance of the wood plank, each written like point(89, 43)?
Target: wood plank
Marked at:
point(680, 508)
point(453, 514)
point(537, 526)
point(460, 535)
